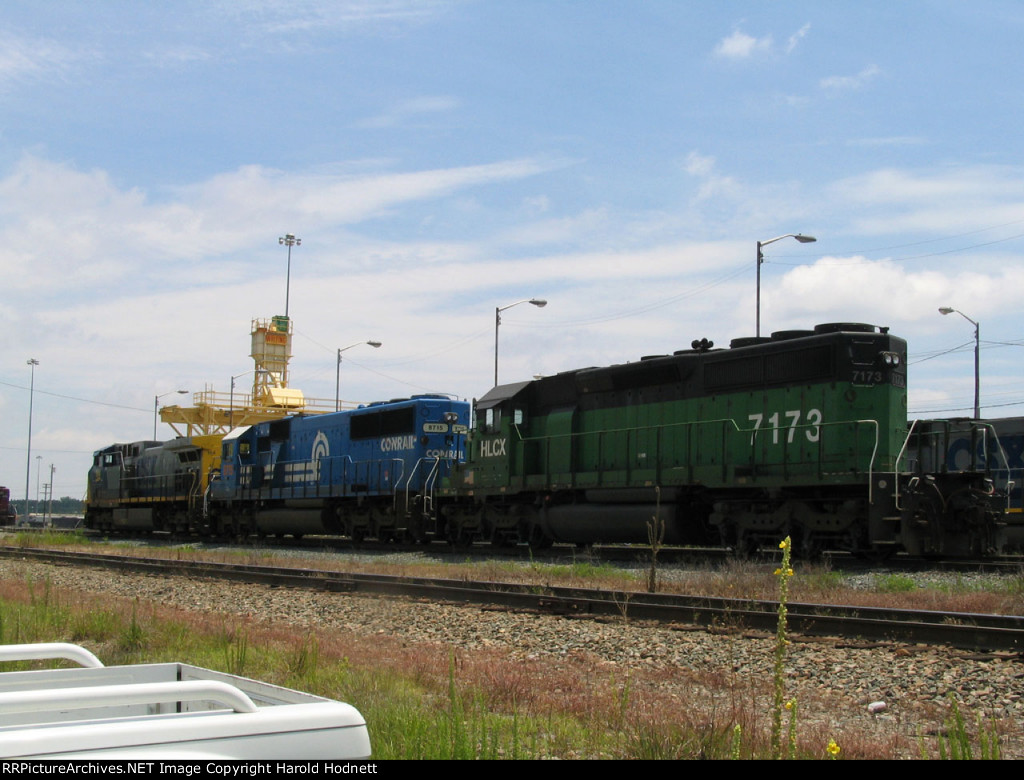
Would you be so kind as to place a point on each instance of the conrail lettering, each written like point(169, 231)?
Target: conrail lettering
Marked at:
point(492, 448)
point(452, 454)
point(392, 443)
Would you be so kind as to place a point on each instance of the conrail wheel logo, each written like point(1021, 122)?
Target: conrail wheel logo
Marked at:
point(321, 449)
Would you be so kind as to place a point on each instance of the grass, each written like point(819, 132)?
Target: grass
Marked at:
point(435, 701)
point(421, 703)
point(895, 583)
point(440, 702)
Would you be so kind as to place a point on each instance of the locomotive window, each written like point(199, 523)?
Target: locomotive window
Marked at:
point(387, 423)
point(800, 365)
point(863, 353)
point(740, 372)
point(789, 366)
point(492, 419)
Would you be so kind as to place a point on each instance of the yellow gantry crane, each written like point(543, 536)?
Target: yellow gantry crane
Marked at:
point(271, 397)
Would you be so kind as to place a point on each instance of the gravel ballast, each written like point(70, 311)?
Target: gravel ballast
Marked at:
point(885, 691)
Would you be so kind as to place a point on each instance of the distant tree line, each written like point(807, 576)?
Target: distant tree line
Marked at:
point(65, 505)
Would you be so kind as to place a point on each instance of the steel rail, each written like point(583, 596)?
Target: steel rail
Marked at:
point(972, 631)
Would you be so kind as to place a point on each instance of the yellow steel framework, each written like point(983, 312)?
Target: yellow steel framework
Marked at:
point(271, 398)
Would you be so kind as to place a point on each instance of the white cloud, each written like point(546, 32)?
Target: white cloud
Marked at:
point(713, 185)
point(937, 202)
point(26, 60)
point(892, 140)
point(699, 165)
point(858, 289)
point(61, 228)
point(284, 16)
point(739, 46)
point(402, 113)
point(837, 83)
point(796, 37)
point(173, 56)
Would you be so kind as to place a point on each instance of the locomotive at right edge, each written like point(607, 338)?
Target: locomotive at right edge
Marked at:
point(802, 434)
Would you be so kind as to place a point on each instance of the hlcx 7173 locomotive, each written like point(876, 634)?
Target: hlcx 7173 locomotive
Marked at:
point(803, 434)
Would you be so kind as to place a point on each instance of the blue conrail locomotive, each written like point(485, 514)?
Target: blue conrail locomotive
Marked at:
point(372, 471)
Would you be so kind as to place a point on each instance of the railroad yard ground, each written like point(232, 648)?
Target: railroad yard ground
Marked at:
point(445, 680)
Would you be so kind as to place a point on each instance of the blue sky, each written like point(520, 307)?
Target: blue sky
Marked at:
point(440, 158)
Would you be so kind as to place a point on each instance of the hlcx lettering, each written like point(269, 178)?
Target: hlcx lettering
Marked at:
point(492, 448)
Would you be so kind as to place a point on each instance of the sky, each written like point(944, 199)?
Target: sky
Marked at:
point(441, 158)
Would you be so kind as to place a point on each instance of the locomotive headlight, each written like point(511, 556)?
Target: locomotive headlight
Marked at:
point(890, 358)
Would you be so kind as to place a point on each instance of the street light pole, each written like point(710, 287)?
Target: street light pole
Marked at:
point(538, 302)
point(337, 372)
point(231, 403)
point(289, 241)
point(156, 401)
point(49, 508)
point(977, 357)
point(760, 259)
point(32, 362)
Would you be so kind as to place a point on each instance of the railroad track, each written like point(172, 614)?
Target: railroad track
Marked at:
point(997, 633)
point(608, 553)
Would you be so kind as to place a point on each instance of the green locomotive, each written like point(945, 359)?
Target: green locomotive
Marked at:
point(802, 434)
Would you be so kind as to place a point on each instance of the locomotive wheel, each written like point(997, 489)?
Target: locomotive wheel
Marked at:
point(415, 533)
point(539, 540)
point(745, 546)
point(876, 554)
point(461, 539)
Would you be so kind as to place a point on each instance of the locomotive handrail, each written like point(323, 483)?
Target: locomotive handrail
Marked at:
point(985, 428)
point(396, 483)
point(659, 429)
point(429, 482)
